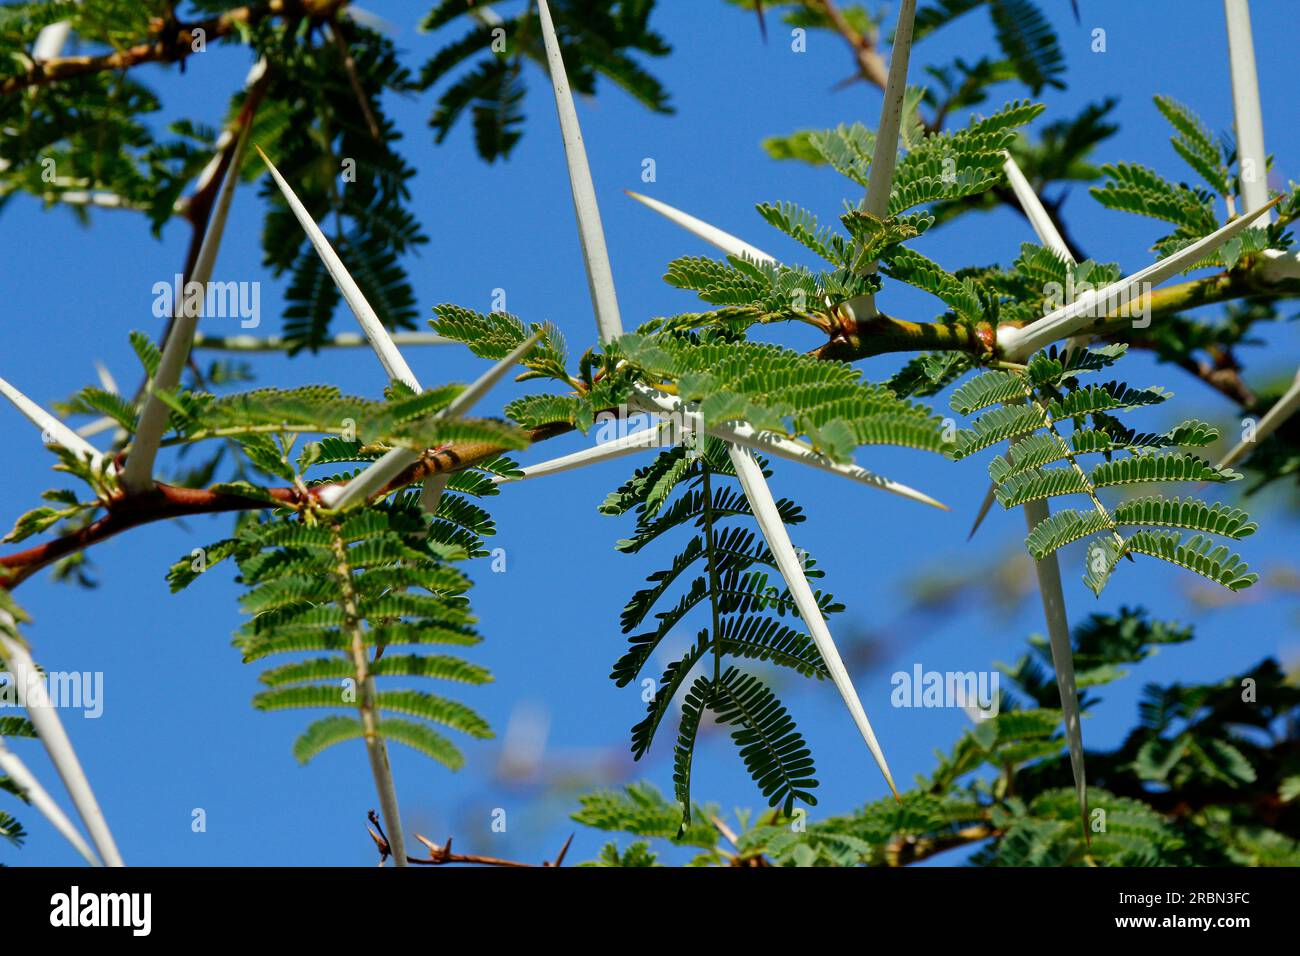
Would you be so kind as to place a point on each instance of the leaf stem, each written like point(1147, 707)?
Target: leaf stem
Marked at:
point(376, 748)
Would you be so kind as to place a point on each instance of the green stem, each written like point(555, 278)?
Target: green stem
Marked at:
point(367, 706)
point(714, 585)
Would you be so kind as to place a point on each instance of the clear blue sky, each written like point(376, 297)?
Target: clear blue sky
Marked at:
point(178, 732)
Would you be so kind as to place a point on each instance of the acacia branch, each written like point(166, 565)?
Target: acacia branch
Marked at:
point(164, 502)
point(173, 42)
point(871, 65)
point(877, 335)
point(884, 334)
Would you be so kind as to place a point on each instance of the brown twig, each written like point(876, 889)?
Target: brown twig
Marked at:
point(443, 855)
point(871, 65)
point(172, 42)
point(350, 68)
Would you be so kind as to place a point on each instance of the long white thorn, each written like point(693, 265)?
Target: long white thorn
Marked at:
point(600, 277)
point(1282, 409)
point(1048, 236)
point(36, 795)
point(380, 339)
point(1018, 343)
point(394, 462)
point(467, 399)
point(55, 740)
point(652, 437)
point(274, 343)
point(725, 241)
point(103, 424)
point(255, 73)
point(741, 433)
point(51, 40)
point(53, 431)
point(779, 446)
point(788, 563)
point(137, 475)
point(1251, 158)
point(880, 177)
point(1048, 571)
point(1039, 218)
point(106, 380)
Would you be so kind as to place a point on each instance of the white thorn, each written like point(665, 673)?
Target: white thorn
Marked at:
point(431, 493)
point(1018, 343)
point(1045, 229)
point(651, 437)
point(106, 380)
point(1282, 409)
point(375, 477)
point(98, 426)
point(52, 430)
point(742, 433)
point(1043, 226)
point(137, 475)
point(725, 241)
point(255, 73)
point(781, 447)
point(274, 343)
point(880, 176)
point(52, 735)
point(787, 561)
point(1048, 571)
point(466, 400)
point(600, 277)
point(885, 155)
point(1246, 108)
point(380, 339)
point(36, 795)
point(51, 40)
point(393, 463)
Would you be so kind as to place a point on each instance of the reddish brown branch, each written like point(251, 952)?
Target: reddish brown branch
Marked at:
point(163, 502)
point(169, 501)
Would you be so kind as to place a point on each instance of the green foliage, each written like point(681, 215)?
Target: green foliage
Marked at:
point(483, 70)
point(347, 587)
point(347, 176)
point(726, 572)
point(333, 596)
point(497, 334)
point(939, 170)
point(782, 391)
point(1136, 189)
point(266, 420)
point(1035, 411)
point(1180, 790)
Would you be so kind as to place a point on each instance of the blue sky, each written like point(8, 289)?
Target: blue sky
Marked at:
point(178, 732)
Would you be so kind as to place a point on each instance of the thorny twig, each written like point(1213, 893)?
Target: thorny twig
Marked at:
point(442, 855)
